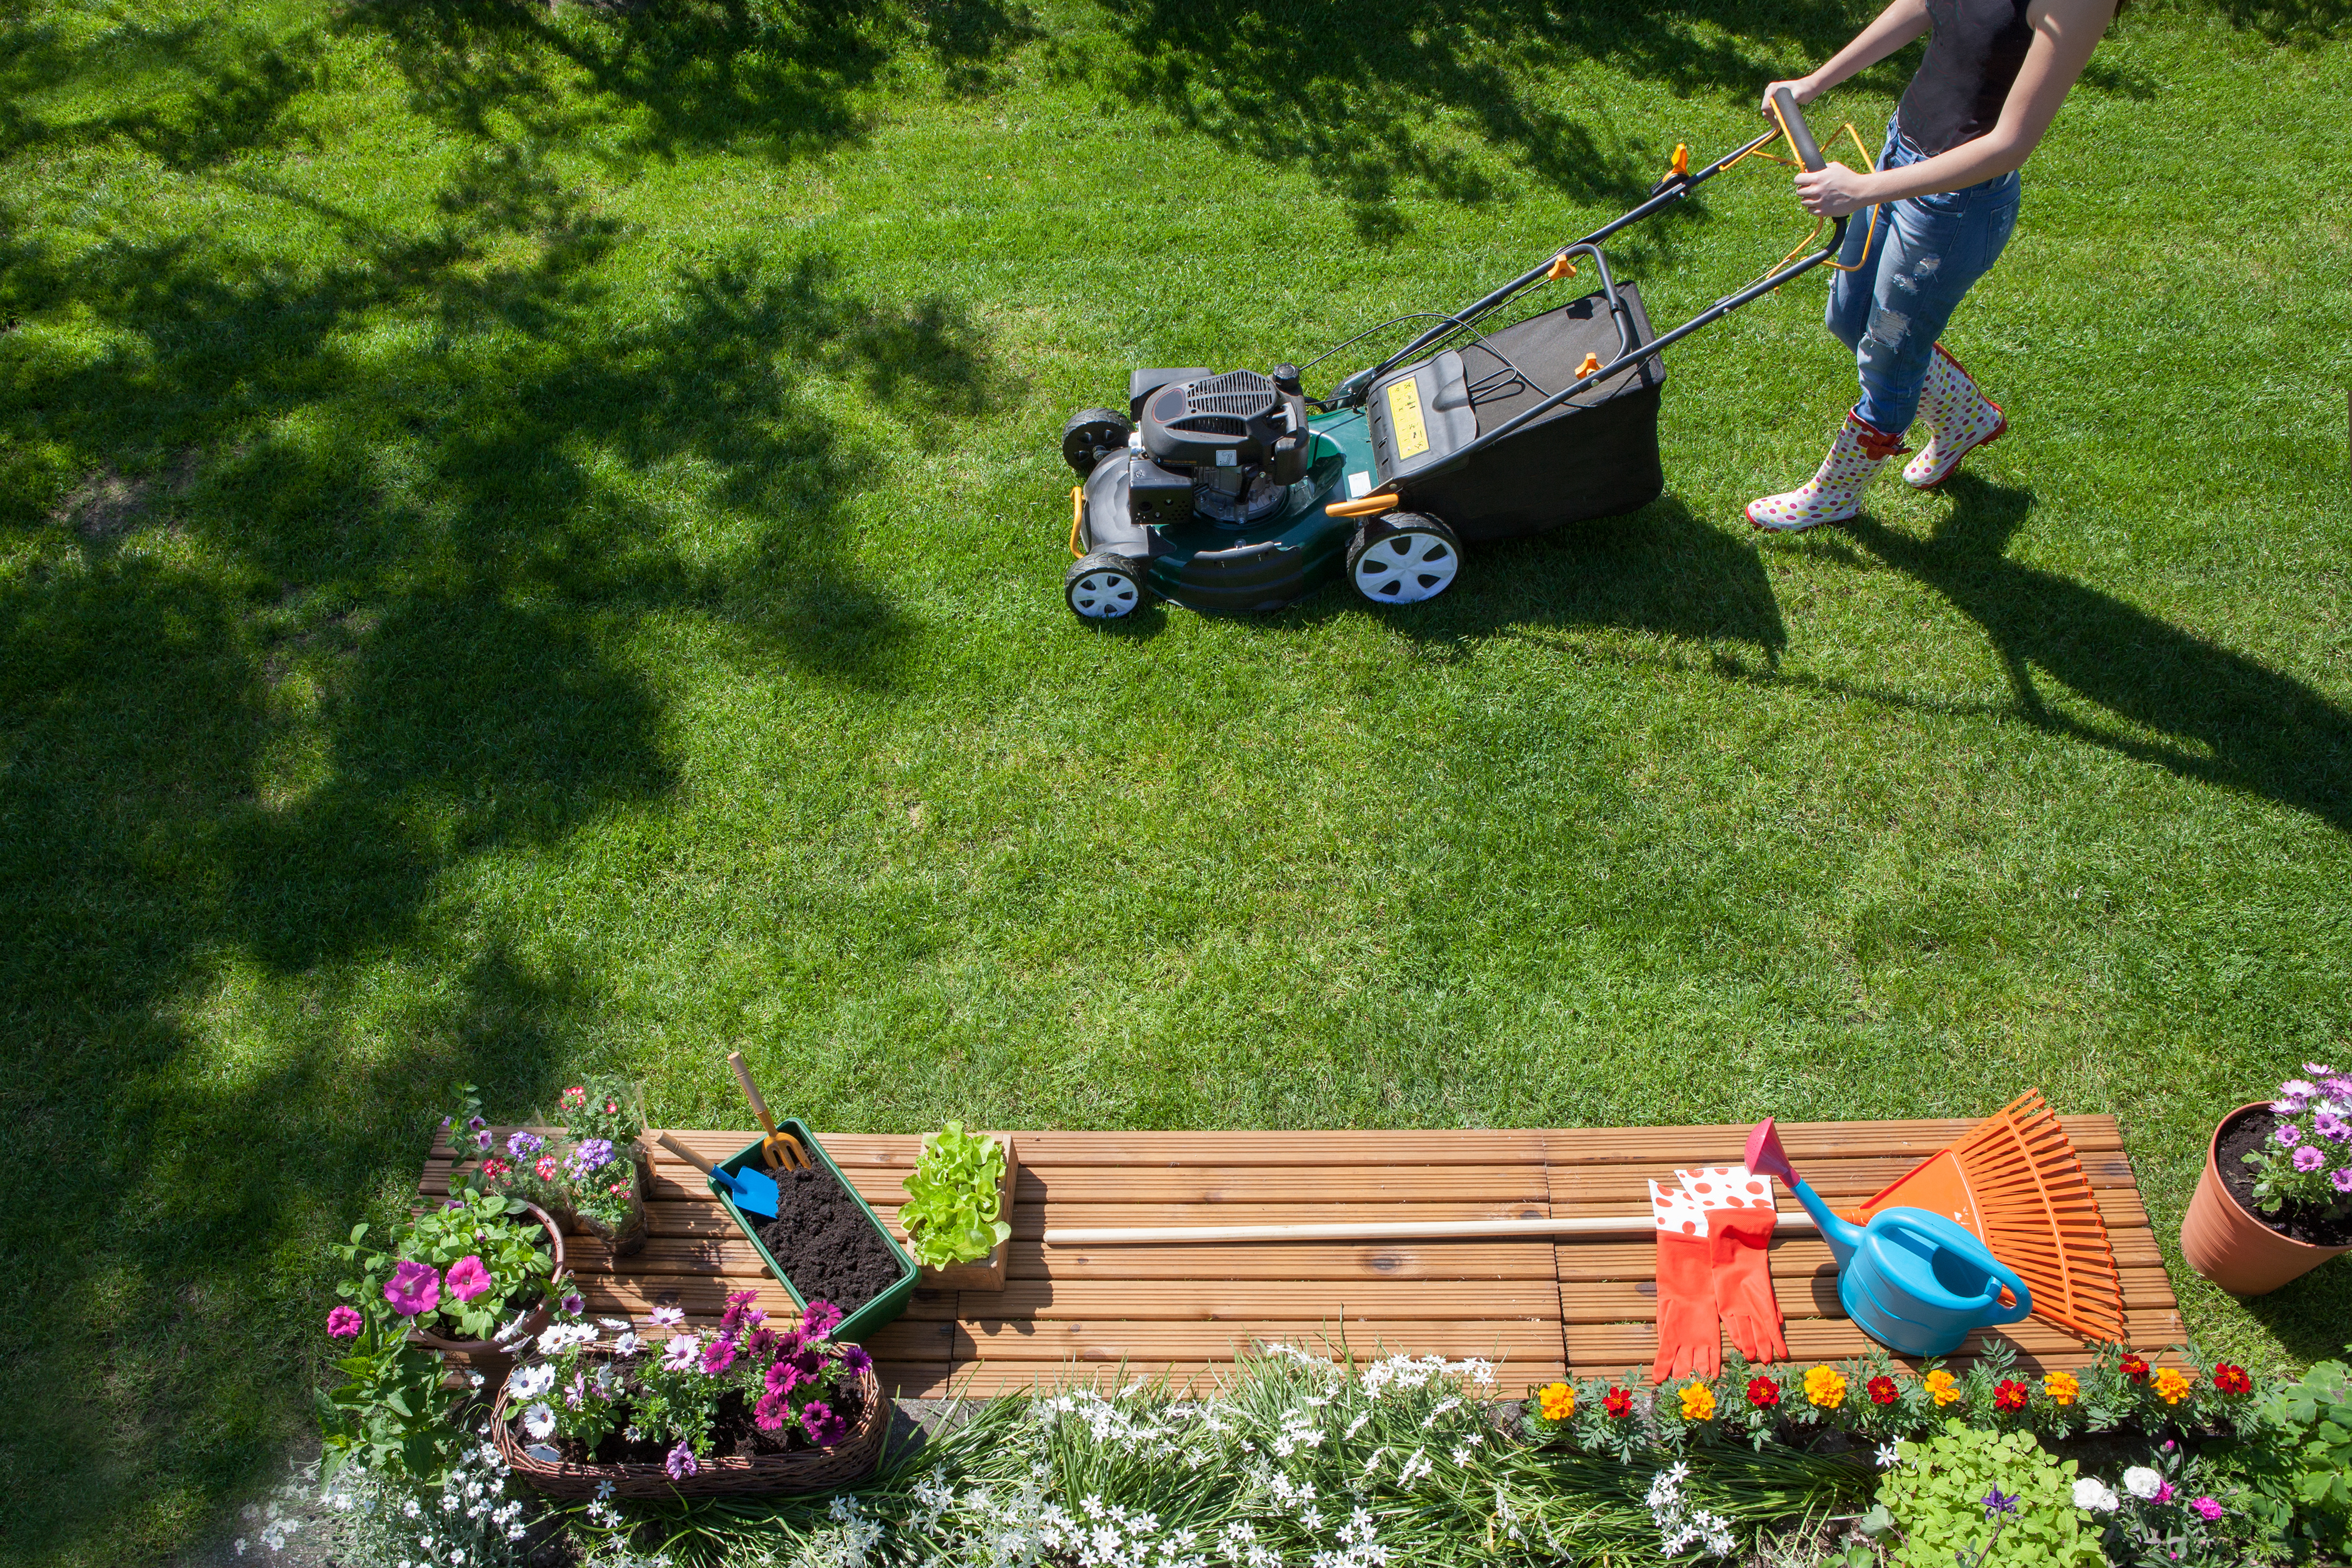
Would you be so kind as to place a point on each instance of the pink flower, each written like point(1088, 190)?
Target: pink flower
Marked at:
point(680, 1463)
point(2318, 1069)
point(2207, 1508)
point(544, 1169)
point(2164, 1493)
point(415, 1289)
point(770, 1412)
point(783, 1377)
point(2327, 1124)
point(2288, 1133)
point(739, 1302)
point(467, 1277)
point(2342, 1180)
point(344, 1323)
point(825, 1429)
point(2309, 1158)
point(853, 1359)
point(718, 1355)
point(820, 1319)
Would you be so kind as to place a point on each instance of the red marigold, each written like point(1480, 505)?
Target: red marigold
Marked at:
point(2136, 1368)
point(1763, 1393)
point(2229, 1379)
point(2010, 1395)
point(1883, 1391)
point(1618, 1402)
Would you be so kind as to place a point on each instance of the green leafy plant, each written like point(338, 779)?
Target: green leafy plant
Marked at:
point(391, 1414)
point(951, 1211)
point(2303, 1470)
point(454, 1270)
point(603, 1106)
point(1985, 1499)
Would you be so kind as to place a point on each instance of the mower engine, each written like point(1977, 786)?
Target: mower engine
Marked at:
point(1226, 447)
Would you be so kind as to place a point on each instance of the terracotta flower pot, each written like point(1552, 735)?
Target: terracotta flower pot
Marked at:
point(493, 1358)
point(2231, 1245)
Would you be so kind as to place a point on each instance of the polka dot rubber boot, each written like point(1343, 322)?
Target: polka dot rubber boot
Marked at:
point(1960, 419)
point(1834, 492)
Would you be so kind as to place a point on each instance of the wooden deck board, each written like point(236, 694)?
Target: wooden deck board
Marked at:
point(1544, 1309)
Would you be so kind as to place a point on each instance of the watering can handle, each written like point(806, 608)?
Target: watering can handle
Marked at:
point(1894, 1219)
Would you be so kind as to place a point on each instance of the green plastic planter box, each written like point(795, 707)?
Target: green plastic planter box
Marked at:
point(885, 1308)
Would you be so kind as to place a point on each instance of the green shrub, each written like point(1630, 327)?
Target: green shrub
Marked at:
point(2301, 1464)
point(1938, 1495)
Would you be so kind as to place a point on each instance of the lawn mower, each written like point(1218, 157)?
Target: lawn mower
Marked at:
point(1235, 490)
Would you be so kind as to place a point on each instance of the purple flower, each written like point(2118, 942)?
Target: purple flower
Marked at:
point(820, 1319)
point(783, 1377)
point(718, 1356)
point(524, 1145)
point(2327, 1124)
point(768, 1413)
point(2298, 1088)
point(2342, 1180)
point(594, 1154)
point(2308, 1158)
point(762, 1344)
point(475, 1124)
point(680, 1463)
point(2207, 1508)
point(853, 1359)
point(2339, 1089)
point(483, 1139)
point(825, 1429)
point(573, 1302)
point(1998, 1502)
point(467, 1277)
point(739, 1304)
point(344, 1323)
point(2317, 1070)
point(415, 1289)
point(2288, 1134)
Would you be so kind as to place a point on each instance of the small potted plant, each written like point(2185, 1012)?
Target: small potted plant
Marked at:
point(608, 1408)
point(471, 1278)
point(959, 1203)
point(605, 1161)
point(2275, 1199)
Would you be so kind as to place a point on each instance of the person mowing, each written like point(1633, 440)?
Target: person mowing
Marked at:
point(1946, 187)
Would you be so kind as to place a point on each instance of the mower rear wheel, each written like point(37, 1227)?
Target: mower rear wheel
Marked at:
point(1403, 558)
point(1091, 435)
point(1102, 587)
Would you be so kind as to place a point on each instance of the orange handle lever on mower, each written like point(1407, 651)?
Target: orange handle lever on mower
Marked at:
point(1363, 506)
point(1681, 165)
point(1592, 362)
point(1561, 266)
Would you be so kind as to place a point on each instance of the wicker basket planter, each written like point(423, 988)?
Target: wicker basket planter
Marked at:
point(801, 1470)
point(492, 1358)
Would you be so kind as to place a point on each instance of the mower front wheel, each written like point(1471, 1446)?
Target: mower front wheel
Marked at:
point(1102, 587)
point(1090, 435)
point(1403, 558)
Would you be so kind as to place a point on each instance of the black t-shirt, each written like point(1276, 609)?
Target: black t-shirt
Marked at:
point(1972, 61)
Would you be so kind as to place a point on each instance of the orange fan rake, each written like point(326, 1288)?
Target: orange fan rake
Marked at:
point(2014, 1180)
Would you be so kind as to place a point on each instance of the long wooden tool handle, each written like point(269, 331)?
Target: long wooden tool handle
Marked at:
point(1372, 1230)
point(751, 1092)
point(707, 1167)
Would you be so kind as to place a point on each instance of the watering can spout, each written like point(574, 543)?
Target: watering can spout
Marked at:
point(1767, 1158)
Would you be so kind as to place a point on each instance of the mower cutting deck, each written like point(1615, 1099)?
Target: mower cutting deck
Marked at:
point(1238, 491)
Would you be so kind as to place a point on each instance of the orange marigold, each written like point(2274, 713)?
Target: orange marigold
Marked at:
point(2063, 1387)
point(1940, 1383)
point(1698, 1402)
point(1825, 1386)
point(1557, 1401)
point(2171, 1384)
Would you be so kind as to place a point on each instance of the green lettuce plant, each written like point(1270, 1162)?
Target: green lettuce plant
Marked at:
point(1985, 1499)
point(951, 1214)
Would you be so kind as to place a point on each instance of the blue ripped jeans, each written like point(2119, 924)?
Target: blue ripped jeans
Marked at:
point(1929, 251)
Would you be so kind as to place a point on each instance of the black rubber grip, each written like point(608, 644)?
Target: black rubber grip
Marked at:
point(1801, 135)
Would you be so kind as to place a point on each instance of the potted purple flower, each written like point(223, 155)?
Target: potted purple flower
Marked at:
point(2275, 1199)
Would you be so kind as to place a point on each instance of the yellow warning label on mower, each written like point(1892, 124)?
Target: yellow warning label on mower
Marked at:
point(1405, 413)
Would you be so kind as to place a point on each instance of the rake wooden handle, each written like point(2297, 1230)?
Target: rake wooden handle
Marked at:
point(1371, 1230)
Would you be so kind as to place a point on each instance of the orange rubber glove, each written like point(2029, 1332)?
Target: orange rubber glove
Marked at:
point(1739, 1240)
point(1688, 1344)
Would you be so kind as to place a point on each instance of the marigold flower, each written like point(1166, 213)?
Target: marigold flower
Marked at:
point(2010, 1395)
point(1618, 1403)
point(2172, 1385)
point(1557, 1401)
point(1826, 1387)
point(2229, 1379)
point(1763, 1393)
point(1698, 1402)
point(2063, 1387)
point(2134, 1367)
point(1944, 1387)
point(1882, 1390)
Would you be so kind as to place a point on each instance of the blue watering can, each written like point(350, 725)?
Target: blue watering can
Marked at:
point(1915, 1281)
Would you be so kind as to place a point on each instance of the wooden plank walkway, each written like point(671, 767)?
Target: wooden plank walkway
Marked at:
point(1541, 1309)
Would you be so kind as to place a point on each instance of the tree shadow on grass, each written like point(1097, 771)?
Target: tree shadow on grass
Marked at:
point(364, 609)
point(2218, 716)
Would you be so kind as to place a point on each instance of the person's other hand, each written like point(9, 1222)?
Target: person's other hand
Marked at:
point(1832, 191)
point(1801, 89)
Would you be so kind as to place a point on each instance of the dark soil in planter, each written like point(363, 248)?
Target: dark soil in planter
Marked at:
point(2241, 1136)
point(733, 1435)
point(825, 1244)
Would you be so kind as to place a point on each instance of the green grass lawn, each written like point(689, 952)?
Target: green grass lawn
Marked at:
point(532, 542)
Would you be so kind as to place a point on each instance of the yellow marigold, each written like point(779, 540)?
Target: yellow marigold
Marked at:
point(2063, 1387)
point(1698, 1402)
point(1940, 1383)
point(1557, 1400)
point(1825, 1386)
point(2171, 1385)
